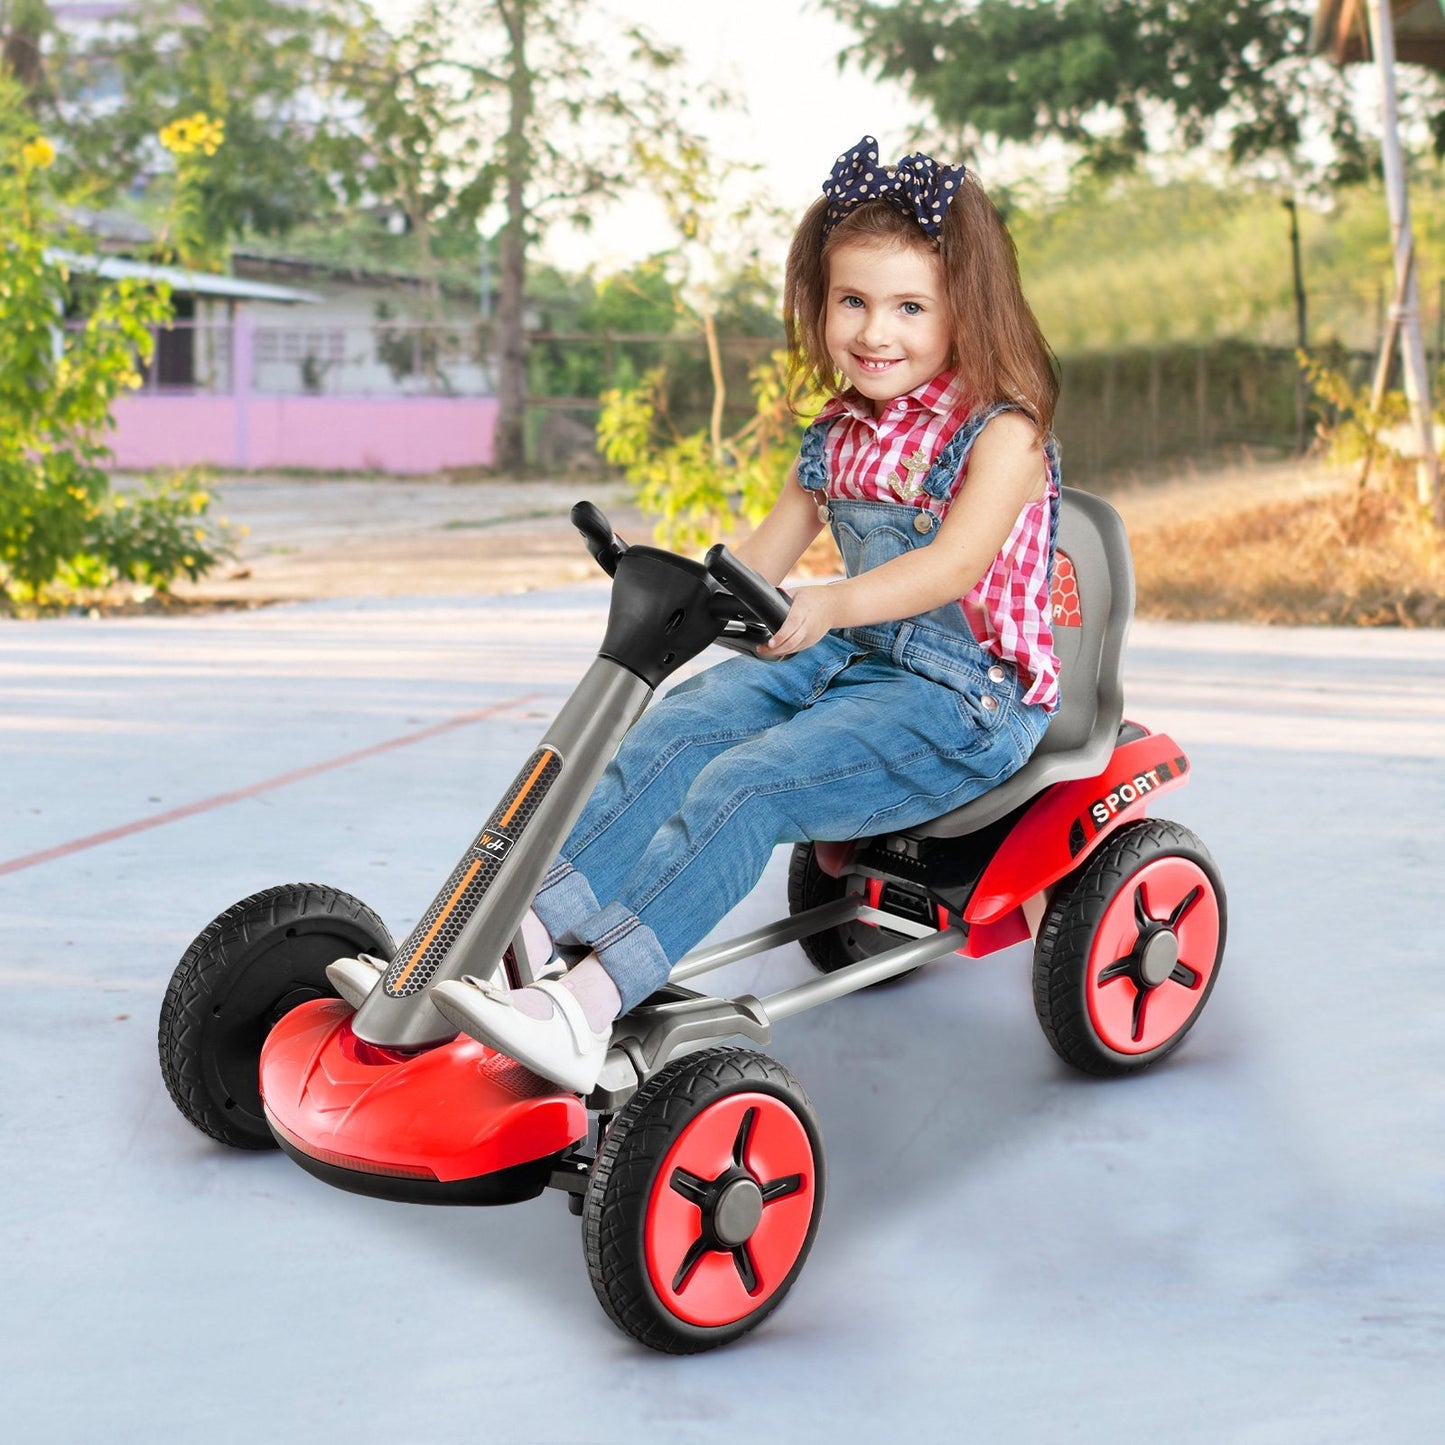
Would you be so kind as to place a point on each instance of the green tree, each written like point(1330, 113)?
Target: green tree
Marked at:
point(516, 102)
point(564, 128)
point(61, 529)
point(702, 481)
point(24, 25)
point(1107, 75)
point(409, 141)
point(260, 67)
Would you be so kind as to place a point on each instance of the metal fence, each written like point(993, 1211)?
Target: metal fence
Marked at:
point(394, 358)
point(1118, 411)
point(1143, 410)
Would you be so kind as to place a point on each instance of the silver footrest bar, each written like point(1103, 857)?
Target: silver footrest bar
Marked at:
point(771, 935)
point(645, 1039)
point(866, 971)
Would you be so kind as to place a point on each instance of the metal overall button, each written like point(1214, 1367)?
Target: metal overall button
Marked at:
point(988, 702)
point(923, 523)
point(997, 674)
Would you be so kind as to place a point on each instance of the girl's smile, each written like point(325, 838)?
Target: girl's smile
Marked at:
point(885, 325)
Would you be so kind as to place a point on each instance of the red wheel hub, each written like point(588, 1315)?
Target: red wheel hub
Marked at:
point(1153, 953)
point(730, 1209)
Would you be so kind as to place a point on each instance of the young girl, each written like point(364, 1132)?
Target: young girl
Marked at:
point(920, 681)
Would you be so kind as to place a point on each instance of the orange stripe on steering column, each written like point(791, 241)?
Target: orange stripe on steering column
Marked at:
point(436, 927)
point(526, 788)
point(451, 903)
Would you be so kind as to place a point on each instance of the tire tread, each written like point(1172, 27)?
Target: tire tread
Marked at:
point(623, 1172)
point(1066, 936)
point(180, 1036)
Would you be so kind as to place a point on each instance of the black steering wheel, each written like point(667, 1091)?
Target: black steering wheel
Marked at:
point(747, 605)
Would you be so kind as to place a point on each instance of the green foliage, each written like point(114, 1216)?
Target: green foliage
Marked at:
point(635, 322)
point(1355, 430)
point(1097, 73)
point(411, 142)
point(60, 531)
point(258, 65)
point(158, 534)
point(696, 491)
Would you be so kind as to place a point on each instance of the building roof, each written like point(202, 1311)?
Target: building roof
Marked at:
point(197, 283)
point(252, 259)
point(1342, 31)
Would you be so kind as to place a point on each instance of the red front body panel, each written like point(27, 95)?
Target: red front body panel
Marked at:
point(456, 1111)
point(1066, 823)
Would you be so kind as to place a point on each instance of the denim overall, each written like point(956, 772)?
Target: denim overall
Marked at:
point(871, 730)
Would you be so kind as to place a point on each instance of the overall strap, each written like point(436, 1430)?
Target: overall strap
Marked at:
point(942, 478)
point(812, 459)
point(1056, 493)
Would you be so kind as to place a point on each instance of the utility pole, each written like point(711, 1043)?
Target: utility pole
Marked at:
point(1302, 331)
point(1405, 316)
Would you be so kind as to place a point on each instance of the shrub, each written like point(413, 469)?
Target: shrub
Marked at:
point(700, 485)
point(61, 531)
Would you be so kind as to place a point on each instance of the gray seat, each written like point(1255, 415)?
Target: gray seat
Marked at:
point(1089, 640)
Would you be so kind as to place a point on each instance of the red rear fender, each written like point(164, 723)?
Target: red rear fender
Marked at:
point(1065, 824)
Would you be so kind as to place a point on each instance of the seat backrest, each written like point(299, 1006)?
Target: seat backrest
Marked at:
point(1091, 607)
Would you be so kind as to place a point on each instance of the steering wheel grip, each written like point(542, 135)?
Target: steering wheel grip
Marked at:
point(769, 604)
point(602, 542)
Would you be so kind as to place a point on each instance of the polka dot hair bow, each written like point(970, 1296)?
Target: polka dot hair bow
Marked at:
point(918, 186)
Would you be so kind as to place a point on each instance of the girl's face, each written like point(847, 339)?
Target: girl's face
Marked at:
point(885, 323)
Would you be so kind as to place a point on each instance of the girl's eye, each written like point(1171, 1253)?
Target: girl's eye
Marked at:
point(912, 308)
point(854, 301)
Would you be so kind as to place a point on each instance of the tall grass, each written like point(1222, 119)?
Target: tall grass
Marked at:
point(1137, 264)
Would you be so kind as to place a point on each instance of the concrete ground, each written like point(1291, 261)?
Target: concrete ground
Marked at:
point(1244, 1244)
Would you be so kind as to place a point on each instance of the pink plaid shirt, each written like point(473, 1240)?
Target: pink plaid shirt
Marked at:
point(1008, 609)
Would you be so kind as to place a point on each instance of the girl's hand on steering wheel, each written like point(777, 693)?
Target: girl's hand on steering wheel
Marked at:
point(813, 613)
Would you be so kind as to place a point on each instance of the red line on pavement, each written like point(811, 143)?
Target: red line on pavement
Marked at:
point(221, 800)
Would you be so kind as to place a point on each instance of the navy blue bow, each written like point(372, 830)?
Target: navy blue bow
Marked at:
point(918, 186)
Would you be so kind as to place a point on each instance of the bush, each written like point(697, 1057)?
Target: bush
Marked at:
point(61, 531)
point(698, 485)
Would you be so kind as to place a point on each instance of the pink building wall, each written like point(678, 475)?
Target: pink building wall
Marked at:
point(249, 430)
point(322, 433)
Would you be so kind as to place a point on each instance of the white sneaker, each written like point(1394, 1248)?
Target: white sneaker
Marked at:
point(563, 1047)
point(354, 978)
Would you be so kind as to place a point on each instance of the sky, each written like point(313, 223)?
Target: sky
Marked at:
point(797, 112)
point(779, 56)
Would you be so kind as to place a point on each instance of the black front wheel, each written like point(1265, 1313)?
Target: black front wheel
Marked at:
point(246, 968)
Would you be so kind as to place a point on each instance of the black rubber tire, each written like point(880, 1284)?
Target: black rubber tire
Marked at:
point(245, 969)
point(833, 948)
point(620, 1188)
point(1066, 939)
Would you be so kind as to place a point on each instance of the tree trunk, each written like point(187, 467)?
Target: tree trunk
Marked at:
point(719, 381)
point(511, 300)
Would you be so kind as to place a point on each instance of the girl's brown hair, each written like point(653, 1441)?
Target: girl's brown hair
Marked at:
point(999, 350)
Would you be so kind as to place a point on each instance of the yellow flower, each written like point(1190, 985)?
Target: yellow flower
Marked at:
point(38, 153)
point(192, 133)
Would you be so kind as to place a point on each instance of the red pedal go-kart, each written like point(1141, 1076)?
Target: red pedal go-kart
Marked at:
point(697, 1165)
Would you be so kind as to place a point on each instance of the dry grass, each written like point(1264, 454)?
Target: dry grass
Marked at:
point(1277, 542)
point(1347, 559)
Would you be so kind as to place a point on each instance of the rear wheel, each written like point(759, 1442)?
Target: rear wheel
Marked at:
point(837, 947)
point(704, 1200)
point(245, 969)
point(1129, 949)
